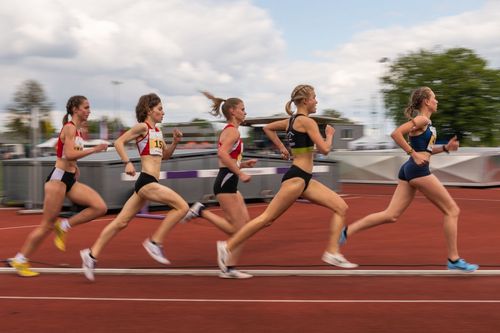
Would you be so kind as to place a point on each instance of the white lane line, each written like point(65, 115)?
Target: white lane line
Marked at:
point(222, 300)
point(36, 225)
point(262, 272)
point(20, 227)
point(422, 197)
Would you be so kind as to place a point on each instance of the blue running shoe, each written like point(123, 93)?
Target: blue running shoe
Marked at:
point(462, 265)
point(343, 236)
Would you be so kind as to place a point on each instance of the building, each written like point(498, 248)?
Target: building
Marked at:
point(11, 147)
point(196, 134)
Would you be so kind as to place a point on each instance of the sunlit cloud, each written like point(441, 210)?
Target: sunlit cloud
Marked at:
point(231, 48)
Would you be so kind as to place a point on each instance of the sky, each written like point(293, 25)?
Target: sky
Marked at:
point(114, 51)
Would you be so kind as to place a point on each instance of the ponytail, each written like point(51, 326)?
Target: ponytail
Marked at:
point(216, 103)
point(220, 105)
point(299, 93)
point(417, 97)
point(288, 107)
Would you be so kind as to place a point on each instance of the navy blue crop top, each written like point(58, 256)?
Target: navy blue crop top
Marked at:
point(424, 141)
point(299, 142)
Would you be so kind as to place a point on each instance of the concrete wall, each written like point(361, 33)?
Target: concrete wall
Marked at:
point(474, 167)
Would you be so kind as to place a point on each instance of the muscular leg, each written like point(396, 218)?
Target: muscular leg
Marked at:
point(226, 202)
point(433, 190)
point(401, 199)
point(162, 194)
point(290, 190)
point(237, 216)
point(322, 195)
point(84, 195)
point(131, 207)
point(55, 192)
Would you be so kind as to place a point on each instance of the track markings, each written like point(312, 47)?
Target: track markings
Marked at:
point(222, 300)
point(265, 272)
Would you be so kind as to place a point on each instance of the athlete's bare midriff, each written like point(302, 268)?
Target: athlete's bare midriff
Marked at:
point(151, 164)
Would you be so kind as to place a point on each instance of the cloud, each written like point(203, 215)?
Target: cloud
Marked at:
point(231, 48)
point(170, 47)
point(355, 66)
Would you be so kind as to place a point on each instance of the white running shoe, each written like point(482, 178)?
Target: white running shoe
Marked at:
point(337, 259)
point(222, 255)
point(235, 274)
point(155, 251)
point(88, 264)
point(194, 211)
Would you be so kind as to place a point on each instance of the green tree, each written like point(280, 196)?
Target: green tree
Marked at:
point(114, 125)
point(29, 95)
point(468, 93)
point(336, 114)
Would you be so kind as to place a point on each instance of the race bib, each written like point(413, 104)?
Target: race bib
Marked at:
point(155, 143)
point(78, 143)
point(432, 140)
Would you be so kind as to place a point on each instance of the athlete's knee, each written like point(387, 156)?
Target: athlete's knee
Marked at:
point(342, 209)
point(121, 224)
point(265, 221)
point(231, 230)
point(391, 217)
point(101, 208)
point(183, 207)
point(47, 227)
point(453, 211)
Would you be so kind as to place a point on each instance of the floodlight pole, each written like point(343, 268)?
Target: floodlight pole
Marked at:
point(34, 198)
point(385, 61)
point(116, 98)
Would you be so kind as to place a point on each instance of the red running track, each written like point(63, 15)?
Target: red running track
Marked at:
point(68, 303)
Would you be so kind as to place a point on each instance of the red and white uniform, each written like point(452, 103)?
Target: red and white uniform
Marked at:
point(236, 152)
point(151, 143)
point(78, 141)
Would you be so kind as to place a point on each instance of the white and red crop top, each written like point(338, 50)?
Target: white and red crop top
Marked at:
point(236, 152)
point(78, 141)
point(151, 143)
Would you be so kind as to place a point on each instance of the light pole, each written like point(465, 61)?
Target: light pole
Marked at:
point(116, 101)
point(34, 200)
point(384, 61)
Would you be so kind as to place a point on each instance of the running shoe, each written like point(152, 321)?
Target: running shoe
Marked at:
point(60, 237)
point(222, 255)
point(22, 268)
point(337, 259)
point(88, 264)
point(462, 265)
point(343, 236)
point(194, 211)
point(155, 251)
point(234, 274)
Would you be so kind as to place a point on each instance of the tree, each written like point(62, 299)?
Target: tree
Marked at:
point(467, 91)
point(336, 114)
point(114, 127)
point(29, 95)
